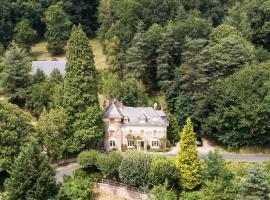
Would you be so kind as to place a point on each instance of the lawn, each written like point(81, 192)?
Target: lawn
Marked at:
point(40, 52)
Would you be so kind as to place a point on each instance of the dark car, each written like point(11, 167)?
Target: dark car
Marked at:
point(199, 141)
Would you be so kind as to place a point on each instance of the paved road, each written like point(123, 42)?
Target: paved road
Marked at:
point(66, 170)
point(236, 157)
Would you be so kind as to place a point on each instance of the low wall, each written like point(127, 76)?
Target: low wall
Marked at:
point(121, 192)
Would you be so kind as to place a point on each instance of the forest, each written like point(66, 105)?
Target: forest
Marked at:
point(206, 62)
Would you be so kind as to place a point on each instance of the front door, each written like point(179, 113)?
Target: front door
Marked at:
point(141, 145)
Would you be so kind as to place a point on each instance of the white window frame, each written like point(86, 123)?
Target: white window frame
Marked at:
point(114, 142)
point(156, 146)
point(128, 143)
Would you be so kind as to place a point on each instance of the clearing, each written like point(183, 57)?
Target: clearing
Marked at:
point(40, 52)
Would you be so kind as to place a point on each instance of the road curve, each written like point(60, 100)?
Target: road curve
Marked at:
point(66, 170)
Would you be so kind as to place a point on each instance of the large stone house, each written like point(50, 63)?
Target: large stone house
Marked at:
point(133, 127)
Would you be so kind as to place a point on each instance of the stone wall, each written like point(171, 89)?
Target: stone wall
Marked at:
point(121, 192)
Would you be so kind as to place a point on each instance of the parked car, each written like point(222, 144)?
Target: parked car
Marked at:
point(199, 141)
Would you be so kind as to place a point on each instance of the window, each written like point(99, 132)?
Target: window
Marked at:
point(112, 143)
point(155, 144)
point(130, 143)
point(112, 121)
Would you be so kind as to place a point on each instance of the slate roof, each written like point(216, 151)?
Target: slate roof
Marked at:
point(137, 115)
point(48, 66)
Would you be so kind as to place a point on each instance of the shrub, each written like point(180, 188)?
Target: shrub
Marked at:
point(160, 192)
point(109, 164)
point(190, 195)
point(162, 169)
point(134, 169)
point(75, 188)
point(215, 167)
point(88, 159)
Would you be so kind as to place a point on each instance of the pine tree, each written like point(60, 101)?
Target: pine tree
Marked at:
point(15, 77)
point(165, 64)
point(137, 56)
point(255, 185)
point(58, 28)
point(39, 76)
point(187, 159)
point(31, 176)
point(25, 36)
point(80, 93)
point(114, 55)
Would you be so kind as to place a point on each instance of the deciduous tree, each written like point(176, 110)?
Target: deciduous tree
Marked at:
point(58, 28)
point(15, 128)
point(25, 35)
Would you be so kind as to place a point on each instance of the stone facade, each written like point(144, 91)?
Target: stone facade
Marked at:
point(134, 127)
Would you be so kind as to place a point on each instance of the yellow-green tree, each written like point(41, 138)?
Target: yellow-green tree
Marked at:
point(187, 159)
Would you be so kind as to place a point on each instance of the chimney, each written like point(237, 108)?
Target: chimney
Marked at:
point(161, 108)
point(106, 103)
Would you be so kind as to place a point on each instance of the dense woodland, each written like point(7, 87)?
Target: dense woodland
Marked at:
point(207, 59)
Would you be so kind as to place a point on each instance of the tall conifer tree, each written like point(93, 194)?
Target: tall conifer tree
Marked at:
point(165, 62)
point(31, 176)
point(137, 61)
point(80, 93)
point(187, 159)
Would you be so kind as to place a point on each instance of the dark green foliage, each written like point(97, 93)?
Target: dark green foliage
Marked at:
point(31, 176)
point(255, 186)
point(220, 189)
point(85, 119)
point(114, 56)
point(137, 56)
point(6, 23)
point(55, 77)
point(39, 98)
point(134, 169)
point(237, 109)
point(173, 132)
point(51, 130)
point(88, 159)
point(39, 76)
point(165, 59)
point(25, 36)
point(259, 16)
point(160, 192)
point(15, 78)
point(215, 168)
point(75, 188)
point(130, 91)
point(58, 28)
point(15, 127)
point(163, 170)
point(32, 10)
point(109, 164)
point(83, 12)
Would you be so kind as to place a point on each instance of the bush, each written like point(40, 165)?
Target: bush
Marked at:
point(162, 169)
point(88, 159)
point(160, 192)
point(215, 167)
point(75, 188)
point(190, 195)
point(134, 169)
point(109, 164)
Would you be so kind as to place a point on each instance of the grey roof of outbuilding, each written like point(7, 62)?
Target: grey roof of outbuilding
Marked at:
point(48, 66)
point(137, 115)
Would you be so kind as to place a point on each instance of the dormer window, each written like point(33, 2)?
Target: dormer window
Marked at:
point(126, 120)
